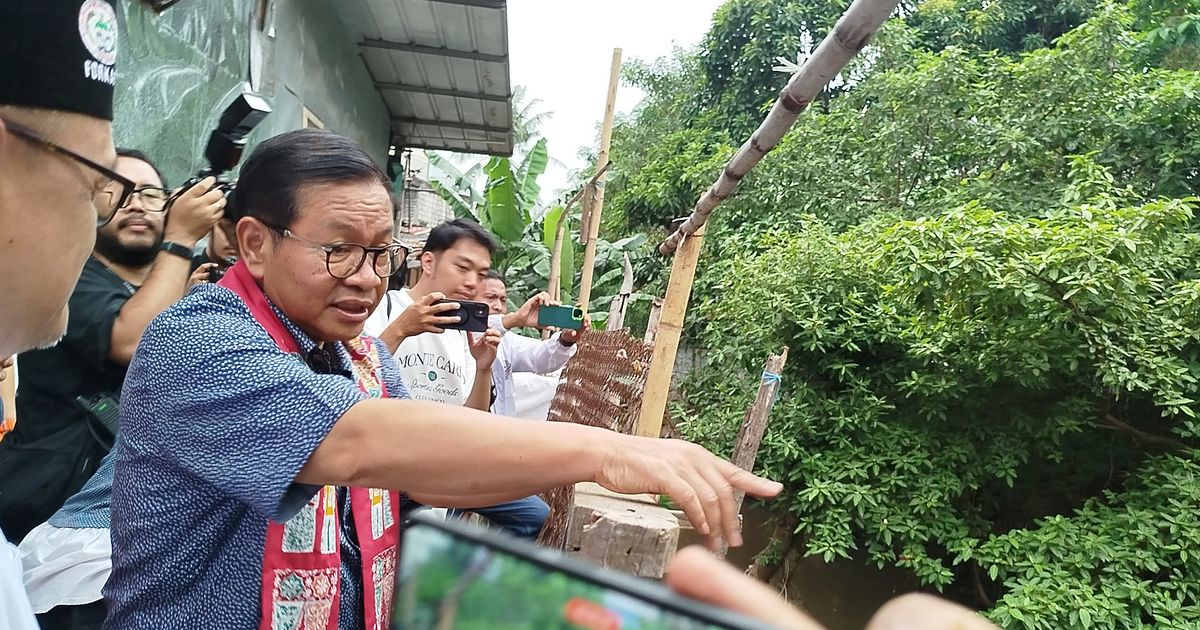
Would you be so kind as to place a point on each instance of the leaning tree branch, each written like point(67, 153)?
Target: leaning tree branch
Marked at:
point(1110, 421)
point(850, 35)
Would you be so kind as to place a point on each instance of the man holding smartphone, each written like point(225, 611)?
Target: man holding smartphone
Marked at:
point(518, 353)
point(448, 365)
point(438, 361)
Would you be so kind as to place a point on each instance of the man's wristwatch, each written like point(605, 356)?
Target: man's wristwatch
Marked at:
point(171, 247)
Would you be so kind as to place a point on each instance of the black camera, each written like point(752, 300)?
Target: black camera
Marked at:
point(216, 273)
point(228, 140)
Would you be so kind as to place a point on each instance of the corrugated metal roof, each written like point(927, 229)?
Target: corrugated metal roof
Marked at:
point(442, 67)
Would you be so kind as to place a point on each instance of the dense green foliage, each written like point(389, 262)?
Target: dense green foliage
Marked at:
point(981, 251)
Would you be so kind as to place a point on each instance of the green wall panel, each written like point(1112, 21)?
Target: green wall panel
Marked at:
point(179, 69)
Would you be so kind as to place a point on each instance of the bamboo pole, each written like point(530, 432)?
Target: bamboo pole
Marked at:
point(850, 35)
point(554, 286)
point(666, 338)
point(592, 229)
point(754, 424)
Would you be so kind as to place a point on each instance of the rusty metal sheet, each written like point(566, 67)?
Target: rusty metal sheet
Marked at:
point(602, 386)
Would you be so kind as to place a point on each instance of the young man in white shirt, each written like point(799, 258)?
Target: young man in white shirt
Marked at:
point(447, 366)
point(451, 366)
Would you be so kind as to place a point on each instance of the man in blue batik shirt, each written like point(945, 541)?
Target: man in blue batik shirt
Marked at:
point(255, 419)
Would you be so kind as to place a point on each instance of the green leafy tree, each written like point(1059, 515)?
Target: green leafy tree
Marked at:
point(982, 256)
point(954, 379)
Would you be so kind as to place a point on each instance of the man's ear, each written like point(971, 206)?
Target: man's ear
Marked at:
point(255, 244)
point(426, 262)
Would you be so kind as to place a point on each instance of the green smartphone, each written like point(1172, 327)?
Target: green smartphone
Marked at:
point(560, 317)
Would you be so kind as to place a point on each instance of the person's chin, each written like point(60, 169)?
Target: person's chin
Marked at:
point(141, 243)
point(340, 330)
point(49, 335)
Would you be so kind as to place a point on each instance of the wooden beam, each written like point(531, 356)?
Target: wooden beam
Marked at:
point(482, 4)
point(593, 228)
point(616, 310)
point(554, 286)
point(666, 339)
point(418, 49)
point(754, 424)
point(441, 144)
point(450, 124)
point(432, 91)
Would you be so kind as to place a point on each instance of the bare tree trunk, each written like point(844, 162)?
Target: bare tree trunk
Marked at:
point(850, 35)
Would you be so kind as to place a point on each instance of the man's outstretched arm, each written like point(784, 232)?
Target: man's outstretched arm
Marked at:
point(437, 451)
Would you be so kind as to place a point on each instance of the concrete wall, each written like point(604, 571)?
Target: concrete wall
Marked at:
point(178, 71)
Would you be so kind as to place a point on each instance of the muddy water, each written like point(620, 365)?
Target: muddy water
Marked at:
point(842, 594)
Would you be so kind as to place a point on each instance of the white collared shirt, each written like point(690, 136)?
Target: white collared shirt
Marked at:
point(518, 353)
point(15, 612)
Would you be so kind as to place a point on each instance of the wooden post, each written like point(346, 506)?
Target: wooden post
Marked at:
point(592, 229)
point(754, 424)
point(666, 339)
point(616, 311)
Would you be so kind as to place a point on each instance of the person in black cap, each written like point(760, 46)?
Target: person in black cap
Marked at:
point(57, 71)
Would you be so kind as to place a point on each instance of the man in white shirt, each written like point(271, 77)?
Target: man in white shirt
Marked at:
point(56, 184)
point(518, 353)
point(447, 366)
point(451, 366)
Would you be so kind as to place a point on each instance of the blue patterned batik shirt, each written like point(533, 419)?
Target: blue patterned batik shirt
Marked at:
point(216, 422)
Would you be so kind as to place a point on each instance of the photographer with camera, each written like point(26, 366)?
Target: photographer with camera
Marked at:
point(219, 253)
point(68, 394)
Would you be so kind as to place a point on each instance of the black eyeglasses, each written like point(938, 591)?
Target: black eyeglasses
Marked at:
point(343, 260)
point(110, 197)
point(154, 198)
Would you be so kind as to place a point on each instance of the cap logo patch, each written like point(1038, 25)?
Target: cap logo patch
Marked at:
point(98, 29)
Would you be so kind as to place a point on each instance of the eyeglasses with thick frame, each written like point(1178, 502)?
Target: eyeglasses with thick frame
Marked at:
point(154, 198)
point(339, 255)
point(115, 199)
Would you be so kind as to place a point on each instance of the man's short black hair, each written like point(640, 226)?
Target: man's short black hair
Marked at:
point(138, 155)
point(280, 166)
point(446, 234)
point(492, 274)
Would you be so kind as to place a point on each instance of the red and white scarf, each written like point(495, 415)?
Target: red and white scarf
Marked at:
point(302, 558)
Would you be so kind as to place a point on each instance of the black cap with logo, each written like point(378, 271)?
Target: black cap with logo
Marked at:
point(59, 54)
